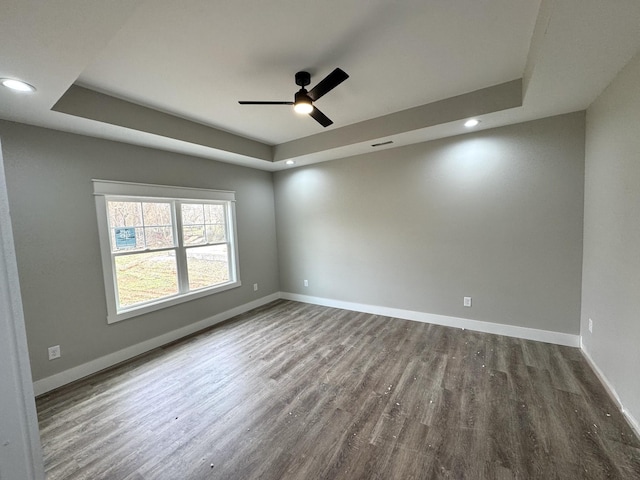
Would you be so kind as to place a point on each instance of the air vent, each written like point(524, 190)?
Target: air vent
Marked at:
point(382, 143)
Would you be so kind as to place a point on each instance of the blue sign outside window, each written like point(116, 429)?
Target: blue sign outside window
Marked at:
point(125, 237)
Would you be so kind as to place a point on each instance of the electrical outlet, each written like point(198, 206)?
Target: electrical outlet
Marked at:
point(306, 283)
point(255, 287)
point(467, 301)
point(54, 352)
point(590, 326)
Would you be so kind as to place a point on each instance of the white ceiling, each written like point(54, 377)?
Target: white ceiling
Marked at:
point(195, 59)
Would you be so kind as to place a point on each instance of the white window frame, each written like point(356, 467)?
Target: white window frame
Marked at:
point(104, 190)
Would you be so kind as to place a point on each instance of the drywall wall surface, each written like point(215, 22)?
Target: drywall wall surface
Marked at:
point(495, 215)
point(56, 237)
point(611, 270)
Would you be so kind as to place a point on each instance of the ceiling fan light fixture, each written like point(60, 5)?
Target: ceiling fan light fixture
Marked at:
point(303, 108)
point(302, 103)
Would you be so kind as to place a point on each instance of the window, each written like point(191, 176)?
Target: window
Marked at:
point(164, 245)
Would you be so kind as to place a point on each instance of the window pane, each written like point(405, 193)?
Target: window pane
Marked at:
point(192, 214)
point(193, 234)
point(159, 237)
point(146, 276)
point(207, 266)
point(156, 214)
point(125, 214)
point(216, 233)
point(214, 214)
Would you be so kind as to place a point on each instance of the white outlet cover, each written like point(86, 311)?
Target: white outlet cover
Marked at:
point(54, 352)
point(467, 301)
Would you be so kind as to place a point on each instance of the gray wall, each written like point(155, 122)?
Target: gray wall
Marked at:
point(496, 215)
point(611, 271)
point(54, 223)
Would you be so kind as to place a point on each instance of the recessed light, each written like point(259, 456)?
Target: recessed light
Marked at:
point(472, 122)
point(290, 162)
point(17, 85)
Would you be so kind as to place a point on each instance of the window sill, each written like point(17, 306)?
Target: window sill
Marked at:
point(169, 302)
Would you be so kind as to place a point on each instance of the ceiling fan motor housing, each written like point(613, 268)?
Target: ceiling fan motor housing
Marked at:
point(303, 79)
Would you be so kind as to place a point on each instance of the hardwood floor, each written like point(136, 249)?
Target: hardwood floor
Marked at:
point(296, 391)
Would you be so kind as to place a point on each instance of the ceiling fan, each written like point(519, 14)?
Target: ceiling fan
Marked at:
point(303, 100)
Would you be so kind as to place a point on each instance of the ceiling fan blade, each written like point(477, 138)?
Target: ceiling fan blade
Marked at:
point(245, 102)
point(328, 83)
point(320, 117)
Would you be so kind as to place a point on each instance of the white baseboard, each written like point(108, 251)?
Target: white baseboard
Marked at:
point(456, 322)
point(59, 379)
point(633, 422)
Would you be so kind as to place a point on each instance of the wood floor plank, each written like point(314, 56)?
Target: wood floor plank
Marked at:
point(297, 391)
